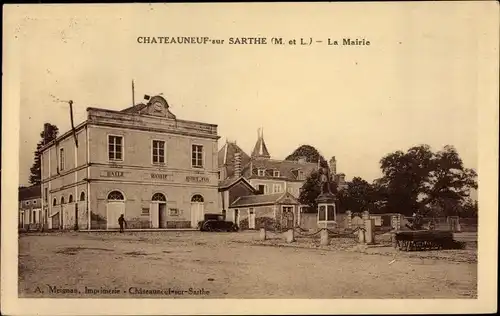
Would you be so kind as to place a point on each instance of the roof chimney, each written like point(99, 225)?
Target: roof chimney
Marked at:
point(237, 164)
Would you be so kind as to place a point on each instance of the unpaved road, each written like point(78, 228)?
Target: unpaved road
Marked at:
point(224, 265)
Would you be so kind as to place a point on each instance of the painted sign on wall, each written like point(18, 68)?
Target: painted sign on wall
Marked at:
point(161, 176)
point(197, 179)
point(112, 174)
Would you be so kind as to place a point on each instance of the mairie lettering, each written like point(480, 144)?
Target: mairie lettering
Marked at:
point(160, 176)
point(114, 173)
point(197, 179)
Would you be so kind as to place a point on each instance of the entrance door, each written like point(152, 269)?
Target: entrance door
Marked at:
point(197, 210)
point(114, 208)
point(162, 215)
point(66, 217)
point(288, 217)
point(251, 219)
point(158, 211)
point(21, 219)
point(55, 221)
point(154, 213)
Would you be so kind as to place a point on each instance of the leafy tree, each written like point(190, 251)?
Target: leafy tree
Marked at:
point(358, 197)
point(311, 189)
point(422, 181)
point(48, 134)
point(469, 209)
point(309, 152)
point(449, 182)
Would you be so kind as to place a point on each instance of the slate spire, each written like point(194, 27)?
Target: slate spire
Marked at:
point(260, 149)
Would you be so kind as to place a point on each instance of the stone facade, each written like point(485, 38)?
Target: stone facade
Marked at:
point(160, 172)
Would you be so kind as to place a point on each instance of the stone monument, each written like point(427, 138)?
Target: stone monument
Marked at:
point(327, 214)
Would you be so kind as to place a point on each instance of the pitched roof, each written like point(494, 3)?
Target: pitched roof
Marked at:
point(29, 193)
point(288, 169)
point(226, 157)
point(264, 199)
point(260, 149)
point(229, 182)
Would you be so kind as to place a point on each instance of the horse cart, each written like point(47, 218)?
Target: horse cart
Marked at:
point(415, 240)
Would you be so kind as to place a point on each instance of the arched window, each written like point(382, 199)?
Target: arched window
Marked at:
point(159, 197)
point(197, 198)
point(70, 200)
point(116, 196)
point(54, 203)
point(82, 196)
point(62, 199)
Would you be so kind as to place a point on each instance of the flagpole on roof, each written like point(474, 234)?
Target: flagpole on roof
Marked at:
point(133, 93)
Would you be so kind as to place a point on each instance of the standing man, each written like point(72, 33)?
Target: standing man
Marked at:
point(121, 222)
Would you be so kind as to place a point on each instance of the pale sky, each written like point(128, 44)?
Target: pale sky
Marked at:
point(416, 83)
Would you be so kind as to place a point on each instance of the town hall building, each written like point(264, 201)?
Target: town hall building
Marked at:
point(143, 162)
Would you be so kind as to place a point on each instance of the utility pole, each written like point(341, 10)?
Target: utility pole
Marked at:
point(70, 102)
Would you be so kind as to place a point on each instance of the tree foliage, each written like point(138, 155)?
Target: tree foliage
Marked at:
point(358, 197)
point(418, 180)
point(436, 184)
point(308, 152)
point(48, 134)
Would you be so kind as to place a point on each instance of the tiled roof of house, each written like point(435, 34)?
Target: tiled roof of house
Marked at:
point(229, 182)
point(226, 157)
point(30, 193)
point(264, 199)
point(288, 169)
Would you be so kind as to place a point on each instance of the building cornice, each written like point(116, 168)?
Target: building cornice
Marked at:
point(155, 130)
point(67, 134)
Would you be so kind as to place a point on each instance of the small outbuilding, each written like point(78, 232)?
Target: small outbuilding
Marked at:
point(270, 211)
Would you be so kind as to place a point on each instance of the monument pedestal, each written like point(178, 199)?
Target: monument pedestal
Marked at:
point(327, 213)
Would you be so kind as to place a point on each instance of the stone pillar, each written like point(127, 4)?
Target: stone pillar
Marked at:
point(370, 231)
point(396, 222)
point(393, 240)
point(325, 239)
point(262, 234)
point(366, 215)
point(361, 236)
point(290, 236)
point(349, 219)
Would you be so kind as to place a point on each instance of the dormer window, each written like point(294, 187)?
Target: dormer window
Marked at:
point(276, 173)
point(301, 175)
point(261, 172)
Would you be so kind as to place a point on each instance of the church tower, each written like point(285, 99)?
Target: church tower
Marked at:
point(260, 149)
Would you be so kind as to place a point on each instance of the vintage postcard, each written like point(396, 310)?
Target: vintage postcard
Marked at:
point(281, 158)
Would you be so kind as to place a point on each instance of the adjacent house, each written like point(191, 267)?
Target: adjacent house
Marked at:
point(276, 185)
point(30, 208)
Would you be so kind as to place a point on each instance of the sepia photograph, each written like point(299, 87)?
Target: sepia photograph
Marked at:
point(194, 156)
